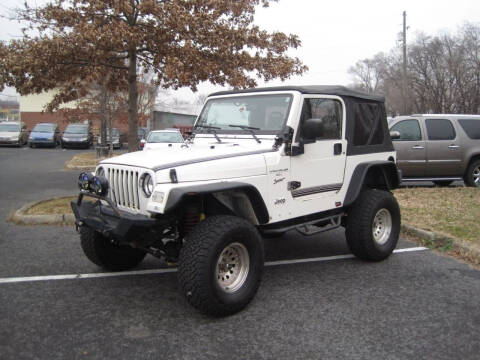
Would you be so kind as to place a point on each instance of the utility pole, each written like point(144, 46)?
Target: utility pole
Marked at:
point(404, 77)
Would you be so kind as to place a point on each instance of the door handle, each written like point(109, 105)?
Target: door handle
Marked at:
point(337, 149)
point(418, 147)
point(453, 146)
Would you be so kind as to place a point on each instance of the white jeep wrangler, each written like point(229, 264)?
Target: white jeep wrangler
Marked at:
point(258, 162)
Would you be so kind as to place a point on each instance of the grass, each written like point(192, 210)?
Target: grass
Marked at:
point(84, 160)
point(453, 212)
point(54, 206)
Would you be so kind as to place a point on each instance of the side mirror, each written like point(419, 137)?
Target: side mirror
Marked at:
point(142, 143)
point(313, 129)
point(395, 135)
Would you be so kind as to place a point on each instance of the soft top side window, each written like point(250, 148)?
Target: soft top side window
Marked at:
point(409, 130)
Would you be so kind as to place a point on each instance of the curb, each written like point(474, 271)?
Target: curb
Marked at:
point(20, 218)
point(438, 241)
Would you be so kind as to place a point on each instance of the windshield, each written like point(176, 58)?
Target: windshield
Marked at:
point(9, 128)
point(165, 137)
point(44, 128)
point(76, 129)
point(266, 113)
point(115, 132)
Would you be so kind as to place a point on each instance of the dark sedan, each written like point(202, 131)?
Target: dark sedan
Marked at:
point(76, 135)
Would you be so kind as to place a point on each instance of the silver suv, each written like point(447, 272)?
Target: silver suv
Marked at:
point(438, 148)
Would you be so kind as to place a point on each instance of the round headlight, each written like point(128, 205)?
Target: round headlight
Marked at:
point(147, 185)
point(100, 171)
point(84, 181)
point(99, 185)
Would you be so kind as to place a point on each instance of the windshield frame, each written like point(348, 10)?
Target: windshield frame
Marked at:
point(238, 131)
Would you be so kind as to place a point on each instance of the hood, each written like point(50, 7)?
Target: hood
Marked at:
point(199, 161)
point(8, 134)
point(41, 135)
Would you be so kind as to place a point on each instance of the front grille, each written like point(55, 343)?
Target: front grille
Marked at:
point(123, 187)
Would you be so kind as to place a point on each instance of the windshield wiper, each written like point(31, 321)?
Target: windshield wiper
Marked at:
point(250, 129)
point(212, 130)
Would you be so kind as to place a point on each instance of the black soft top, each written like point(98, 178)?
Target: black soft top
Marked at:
point(310, 89)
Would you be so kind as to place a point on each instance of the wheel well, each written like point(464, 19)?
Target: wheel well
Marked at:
point(240, 200)
point(472, 158)
point(376, 175)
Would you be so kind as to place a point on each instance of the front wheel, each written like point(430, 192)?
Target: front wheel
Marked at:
point(472, 175)
point(102, 252)
point(221, 265)
point(373, 225)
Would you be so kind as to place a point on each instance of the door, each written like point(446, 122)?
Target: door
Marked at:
point(410, 147)
point(319, 170)
point(444, 151)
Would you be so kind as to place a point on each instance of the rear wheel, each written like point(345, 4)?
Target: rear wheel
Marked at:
point(373, 225)
point(221, 265)
point(472, 175)
point(102, 252)
point(442, 182)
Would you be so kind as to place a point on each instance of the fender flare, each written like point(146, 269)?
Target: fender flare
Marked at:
point(177, 195)
point(391, 176)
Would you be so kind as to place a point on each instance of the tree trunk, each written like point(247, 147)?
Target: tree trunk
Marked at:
point(132, 101)
point(103, 151)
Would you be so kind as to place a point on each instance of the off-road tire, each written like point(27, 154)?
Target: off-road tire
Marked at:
point(197, 270)
point(442, 183)
point(360, 221)
point(469, 177)
point(103, 253)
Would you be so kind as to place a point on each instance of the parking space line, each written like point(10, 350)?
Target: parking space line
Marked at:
point(171, 270)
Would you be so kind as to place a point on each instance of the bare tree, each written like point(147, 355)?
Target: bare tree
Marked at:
point(443, 74)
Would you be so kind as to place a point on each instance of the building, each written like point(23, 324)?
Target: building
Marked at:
point(9, 110)
point(180, 116)
point(32, 110)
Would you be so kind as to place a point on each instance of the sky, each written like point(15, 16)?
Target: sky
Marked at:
point(334, 34)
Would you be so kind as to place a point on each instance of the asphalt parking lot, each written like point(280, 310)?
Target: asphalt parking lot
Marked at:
point(415, 305)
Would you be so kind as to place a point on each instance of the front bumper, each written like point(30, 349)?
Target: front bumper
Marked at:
point(9, 141)
point(40, 142)
point(109, 220)
point(70, 143)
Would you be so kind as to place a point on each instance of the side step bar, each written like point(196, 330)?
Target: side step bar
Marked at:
point(318, 226)
point(310, 227)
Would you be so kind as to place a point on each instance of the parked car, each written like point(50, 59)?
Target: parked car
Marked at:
point(438, 148)
point(13, 133)
point(44, 134)
point(158, 139)
point(142, 133)
point(117, 144)
point(77, 135)
point(260, 162)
